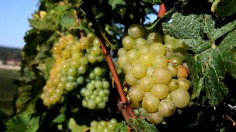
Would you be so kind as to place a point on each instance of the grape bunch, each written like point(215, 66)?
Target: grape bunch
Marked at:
point(103, 126)
point(73, 59)
point(156, 73)
point(96, 91)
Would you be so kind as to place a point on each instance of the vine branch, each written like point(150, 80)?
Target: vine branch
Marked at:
point(125, 106)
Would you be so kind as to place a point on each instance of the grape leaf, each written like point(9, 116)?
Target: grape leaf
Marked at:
point(76, 128)
point(213, 33)
point(23, 123)
point(60, 118)
point(121, 127)
point(211, 59)
point(140, 125)
point(224, 8)
point(184, 27)
point(114, 3)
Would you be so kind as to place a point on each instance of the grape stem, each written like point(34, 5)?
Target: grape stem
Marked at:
point(123, 103)
point(233, 122)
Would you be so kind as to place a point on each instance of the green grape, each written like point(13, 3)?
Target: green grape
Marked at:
point(162, 75)
point(139, 43)
point(69, 86)
point(175, 60)
point(65, 54)
point(160, 61)
point(128, 42)
point(83, 42)
point(91, 58)
point(138, 70)
point(146, 83)
point(91, 104)
point(147, 59)
point(132, 55)
point(155, 118)
point(105, 84)
point(122, 61)
point(130, 79)
point(84, 60)
point(157, 49)
point(150, 103)
point(135, 31)
point(166, 108)
point(160, 91)
point(135, 94)
point(98, 71)
point(122, 51)
point(80, 80)
point(150, 71)
point(144, 50)
point(180, 98)
point(153, 37)
point(173, 85)
point(71, 78)
point(173, 68)
point(98, 84)
point(183, 83)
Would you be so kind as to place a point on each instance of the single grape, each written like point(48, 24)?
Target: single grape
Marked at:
point(155, 118)
point(153, 37)
point(135, 94)
point(184, 83)
point(180, 98)
point(139, 70)
point(160, 61)
point(162, 75)
point(173, 85)
point(150, 103)
point(160, 91)
point(128, 42)
point(166, 108)
point(139, 43)
point(135, 31)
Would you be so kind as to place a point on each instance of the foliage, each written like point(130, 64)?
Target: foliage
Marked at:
point(206, 27)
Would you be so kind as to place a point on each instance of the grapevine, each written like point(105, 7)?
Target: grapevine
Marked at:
point(100, 66)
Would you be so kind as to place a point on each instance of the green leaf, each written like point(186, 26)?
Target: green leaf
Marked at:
point(153, 1)
point(224, 8)
point(184, 27)
point(68, 20)
point(228, 51)
point(141, 125)
point(121, 127)
point(211, 59)
point(114, 3)
point(198, 45)
point(213, 33)
point(76, 128)
point(209, 67)
point(23, 123)
point(157, 21)
point(59, 119)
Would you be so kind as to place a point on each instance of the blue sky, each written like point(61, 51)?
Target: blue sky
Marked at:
point(14, 16)
point(14, 23)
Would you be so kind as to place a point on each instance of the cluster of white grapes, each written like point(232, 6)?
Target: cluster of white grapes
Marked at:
point(155, 73)
point(72, 59)
point(96, 91)
point(103, 126)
